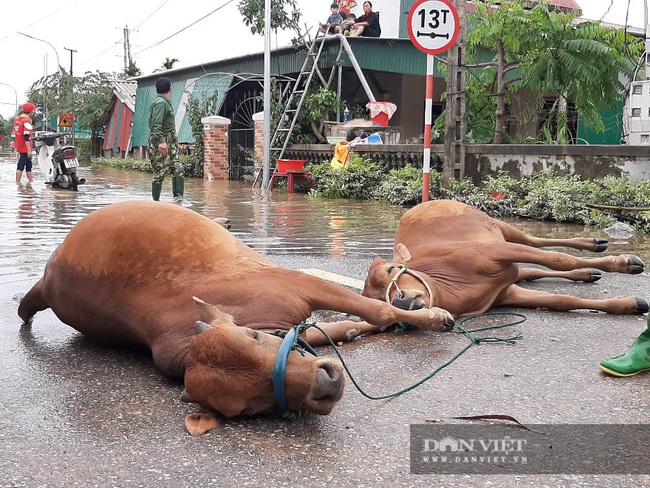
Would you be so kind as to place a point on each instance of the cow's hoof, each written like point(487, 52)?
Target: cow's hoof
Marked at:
point(448, 324)
point(641, 306)
point(600, 244)
point(594, 275)
point(635, 265)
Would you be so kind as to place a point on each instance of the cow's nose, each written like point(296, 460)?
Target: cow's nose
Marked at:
point(411, 300)
point(330, 382)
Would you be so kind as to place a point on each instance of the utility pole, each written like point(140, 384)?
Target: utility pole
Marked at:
point(454, 160)
point(71, 75)
point(71, 51)
point(127, 49)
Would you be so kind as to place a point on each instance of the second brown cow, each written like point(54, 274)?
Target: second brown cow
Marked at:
point(453, 256)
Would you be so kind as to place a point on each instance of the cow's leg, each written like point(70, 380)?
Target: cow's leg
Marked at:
point(512, 234)
point(508, 253)
point(515, 296)
point(585, 275)
point(343, 331)
point(32, 302)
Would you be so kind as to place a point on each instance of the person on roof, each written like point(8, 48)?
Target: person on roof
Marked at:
point(334, 21)
point(368, 24)
point(22, 133)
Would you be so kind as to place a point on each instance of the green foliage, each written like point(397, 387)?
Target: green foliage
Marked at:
point(401, 186)
point(197, 108)
point(358, 181)
point(169, 63)
point(92, 95)
point(320, 104)
point(124, 163)
point(132, 70)
point(83, 149)
point(543, 196)
point(285, 14)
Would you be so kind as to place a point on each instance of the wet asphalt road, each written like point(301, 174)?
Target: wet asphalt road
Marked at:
point(75, 414)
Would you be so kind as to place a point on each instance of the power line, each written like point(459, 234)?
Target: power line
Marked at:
point(46, 16)
point(152, 13)
point(186, 27)
point(92, 58)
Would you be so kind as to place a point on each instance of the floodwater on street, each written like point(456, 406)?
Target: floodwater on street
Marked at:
point(35, 218)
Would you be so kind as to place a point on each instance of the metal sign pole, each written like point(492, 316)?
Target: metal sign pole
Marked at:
point(433, 29)
point(266, 163)
point(428, 109)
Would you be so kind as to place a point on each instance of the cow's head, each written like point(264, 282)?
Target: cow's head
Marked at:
point(393, 282)
point(230, 367)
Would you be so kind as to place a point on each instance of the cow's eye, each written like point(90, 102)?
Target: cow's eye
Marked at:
point(390, 268)
point(256, 335)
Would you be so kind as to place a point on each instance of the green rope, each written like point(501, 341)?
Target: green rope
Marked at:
point(470, 335)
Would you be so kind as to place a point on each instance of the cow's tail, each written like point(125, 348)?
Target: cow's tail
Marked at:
point(32, 302)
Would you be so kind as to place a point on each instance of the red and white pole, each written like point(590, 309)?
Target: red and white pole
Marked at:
point(428, 109)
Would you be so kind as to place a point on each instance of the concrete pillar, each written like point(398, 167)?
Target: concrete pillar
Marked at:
point(258, 120)
point(215, 147)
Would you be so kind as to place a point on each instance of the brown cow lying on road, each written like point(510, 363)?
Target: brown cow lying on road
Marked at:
point(456, 257)
point(126, 275)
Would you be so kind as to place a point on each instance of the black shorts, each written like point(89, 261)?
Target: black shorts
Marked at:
point(24, 162)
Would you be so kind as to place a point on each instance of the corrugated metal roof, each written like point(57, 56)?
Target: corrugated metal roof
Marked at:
point(125, 90)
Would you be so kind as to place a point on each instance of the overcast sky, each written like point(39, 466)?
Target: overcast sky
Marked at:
point(95, 31)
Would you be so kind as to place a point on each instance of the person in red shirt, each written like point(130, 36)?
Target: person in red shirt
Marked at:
point(22, 132)
point(345, 6)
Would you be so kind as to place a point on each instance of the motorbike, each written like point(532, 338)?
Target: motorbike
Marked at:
point(58, 162)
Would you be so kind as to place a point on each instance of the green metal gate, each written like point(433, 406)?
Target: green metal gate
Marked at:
point(241, 137)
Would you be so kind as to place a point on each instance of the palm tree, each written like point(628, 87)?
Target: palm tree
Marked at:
point(169, 63)
point(132, 70)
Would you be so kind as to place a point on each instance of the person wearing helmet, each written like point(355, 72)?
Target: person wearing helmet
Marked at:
point(22, 132)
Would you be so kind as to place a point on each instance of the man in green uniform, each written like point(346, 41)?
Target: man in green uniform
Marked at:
point(163, 142)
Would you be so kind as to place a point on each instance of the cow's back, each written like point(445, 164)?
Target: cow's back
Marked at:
point(131, 261)
point(445, 221)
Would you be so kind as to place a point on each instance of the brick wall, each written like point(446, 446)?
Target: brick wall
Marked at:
point(215, 150)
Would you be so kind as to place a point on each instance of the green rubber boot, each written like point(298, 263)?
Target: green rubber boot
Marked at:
point(635, 360)
point(178, 188)
point(156, 189)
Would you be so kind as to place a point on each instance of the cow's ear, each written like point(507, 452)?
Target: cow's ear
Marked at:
point(211, 314)
point(200, 326)
point(201, 422)
point(401, 253)
point(187, 398)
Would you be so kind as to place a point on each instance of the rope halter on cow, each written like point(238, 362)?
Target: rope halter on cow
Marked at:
point(403, 269)
point(291, 342)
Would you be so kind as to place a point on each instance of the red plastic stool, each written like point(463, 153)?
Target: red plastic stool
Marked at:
point(291, 178)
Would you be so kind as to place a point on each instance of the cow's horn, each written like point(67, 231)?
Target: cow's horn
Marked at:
point(201, 326)
point(186, 397)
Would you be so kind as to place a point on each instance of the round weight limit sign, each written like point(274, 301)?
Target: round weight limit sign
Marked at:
point(433, 25)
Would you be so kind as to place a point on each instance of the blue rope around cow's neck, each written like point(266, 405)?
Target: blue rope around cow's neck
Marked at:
point(470, 335)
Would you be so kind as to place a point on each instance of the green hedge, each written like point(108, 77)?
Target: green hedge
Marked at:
point(544, 196)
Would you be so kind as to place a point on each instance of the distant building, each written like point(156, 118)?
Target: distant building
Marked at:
point(118, 119)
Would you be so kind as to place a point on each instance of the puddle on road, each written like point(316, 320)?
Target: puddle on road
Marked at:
point(35, 219)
